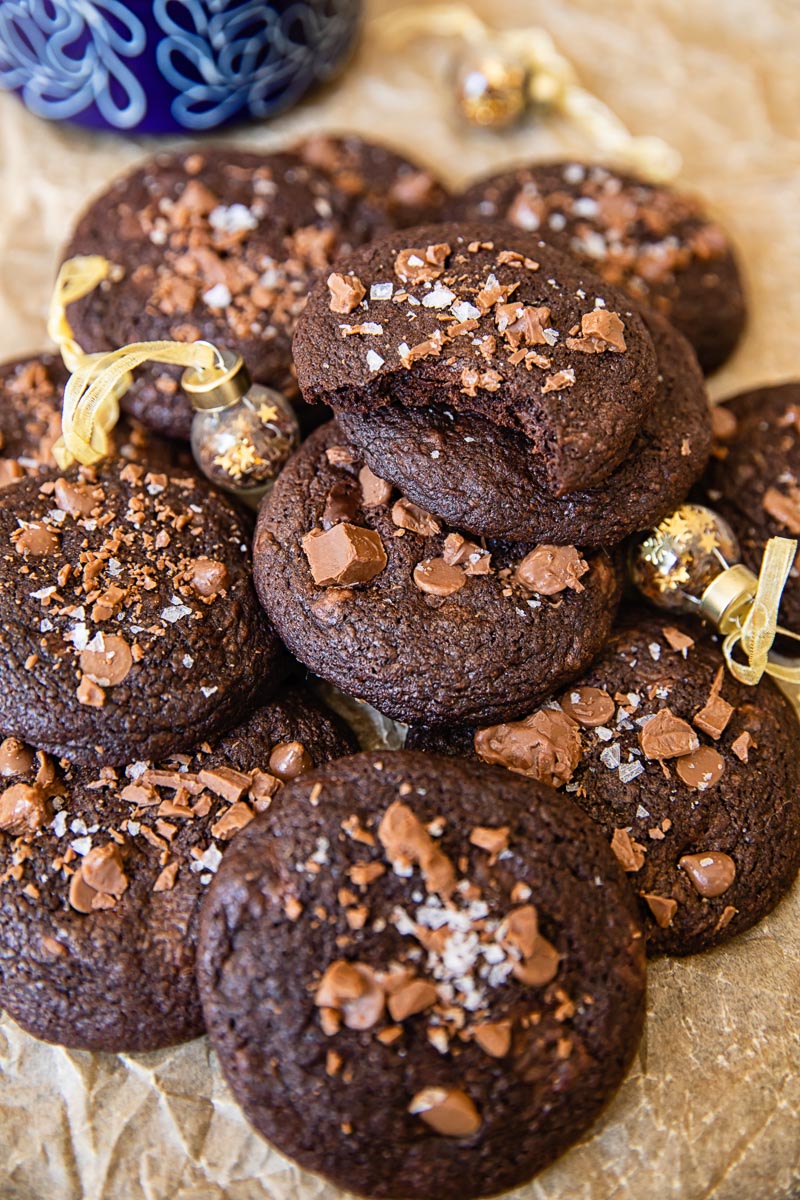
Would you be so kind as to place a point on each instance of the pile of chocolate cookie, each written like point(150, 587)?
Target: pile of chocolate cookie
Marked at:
point(423, 970)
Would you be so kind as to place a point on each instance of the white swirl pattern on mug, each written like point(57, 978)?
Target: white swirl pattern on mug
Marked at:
point(220, 62)
point(38, 57)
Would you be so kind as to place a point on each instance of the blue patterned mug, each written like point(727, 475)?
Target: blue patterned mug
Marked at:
point(169, 66)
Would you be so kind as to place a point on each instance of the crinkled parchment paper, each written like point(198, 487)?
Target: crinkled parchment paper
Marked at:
point(712, 1105)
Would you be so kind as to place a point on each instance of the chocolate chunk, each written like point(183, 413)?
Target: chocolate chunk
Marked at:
point(494, 1037)
point(342, 504)
point(714, 716)
point(406, 842)
point(347, 292)
point(711, 872)
point(23, 809)
point(448, 1111)
point(103, 870)
point(415, 997)
point(663, 908)
point(408, 515)
point(667, 736)
point(548, 570)
point(630, 854)
point(375, 492)
point(74, 498)
point(353, 990)
point(545, 746)
point(344, 554)
point(224, 781)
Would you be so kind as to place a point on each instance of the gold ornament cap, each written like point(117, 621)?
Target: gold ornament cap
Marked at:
point(215, 388)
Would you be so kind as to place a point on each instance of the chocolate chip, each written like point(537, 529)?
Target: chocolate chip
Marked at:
point(15, 757)
point(208, 576)
point(435, 577)
point(589, 706)
point(288, 760)
point(110, 663)
point(711, 872)
point(701, 769)
point(35, 539)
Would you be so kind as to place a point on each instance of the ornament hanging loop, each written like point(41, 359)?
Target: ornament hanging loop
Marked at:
point(212, 389)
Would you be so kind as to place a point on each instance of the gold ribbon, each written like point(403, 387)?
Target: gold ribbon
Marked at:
point(552, 80)
point(91, 397)
point(77, 277)
point(755, 630)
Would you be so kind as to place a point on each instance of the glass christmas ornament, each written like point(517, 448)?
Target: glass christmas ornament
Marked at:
point(242, 432)
point(676, 562)
point(491, 88)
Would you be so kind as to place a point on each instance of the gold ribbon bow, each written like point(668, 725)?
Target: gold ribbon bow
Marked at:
point(552, 80)
point(91, 397)
point(753, 623)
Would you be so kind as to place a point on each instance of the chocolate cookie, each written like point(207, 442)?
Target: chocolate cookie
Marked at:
point(430, 984)
point(658, 244)
point(754, 479)
point(378, 597)
point(103, 872)
point(384, 189)
point(487, 321)
point(693, 777)
point(31, 394)
point(129, 627)
point(482, 478)
point(222, 244)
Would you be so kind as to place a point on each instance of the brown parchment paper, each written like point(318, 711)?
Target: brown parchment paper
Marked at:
point(712, 1105)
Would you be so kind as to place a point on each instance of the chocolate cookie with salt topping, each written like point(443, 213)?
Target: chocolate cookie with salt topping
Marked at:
point(224, 244)
point(657, 243)
point(484, 320)
point(482, 479)
point(103, 872)
point(385, 190)
point(129, 626)
point(693, 776)
point(378, 597)
point(430, 985)
point(754, 477)
point(31, 394)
